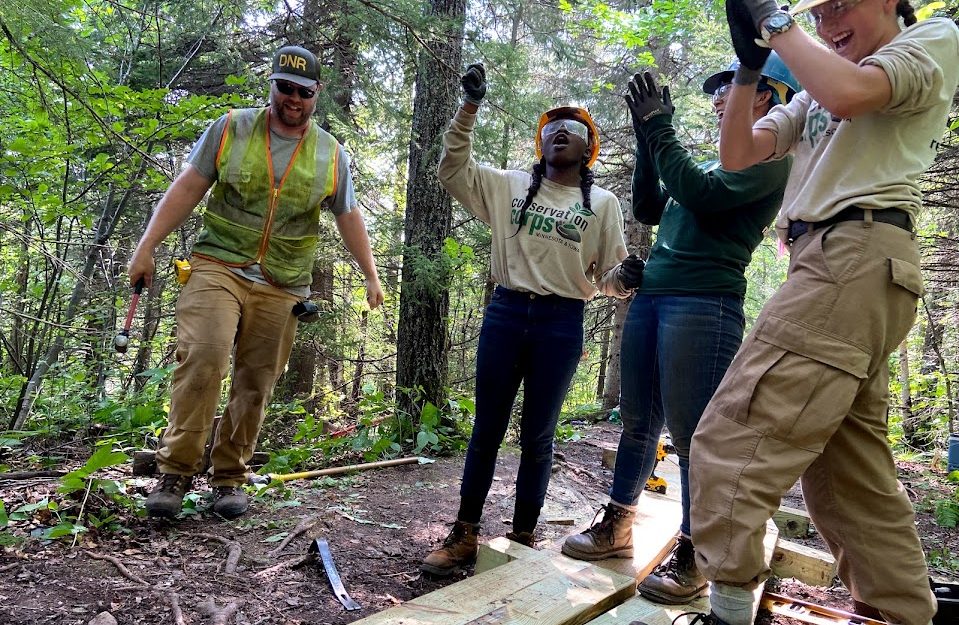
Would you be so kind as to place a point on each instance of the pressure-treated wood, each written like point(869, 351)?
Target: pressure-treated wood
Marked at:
point(792, 523)
point(808, 565)
point(543, 588)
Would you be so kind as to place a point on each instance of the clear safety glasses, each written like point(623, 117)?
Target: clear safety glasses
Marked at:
point(722, 92)
point(830, 10)
point(571, 126)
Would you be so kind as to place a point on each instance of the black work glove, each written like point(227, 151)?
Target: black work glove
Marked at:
point(743, 32)
point(631, 272)
point(646, 102)
point(759, 10)
point(474, 83)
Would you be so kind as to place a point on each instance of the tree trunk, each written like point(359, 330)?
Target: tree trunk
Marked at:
point(422, 352)
point(638, 240)
point(905, 397)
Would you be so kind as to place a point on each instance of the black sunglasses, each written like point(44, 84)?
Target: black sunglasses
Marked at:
point(287, 88)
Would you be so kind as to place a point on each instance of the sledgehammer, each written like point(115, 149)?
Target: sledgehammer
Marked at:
point(121, 340)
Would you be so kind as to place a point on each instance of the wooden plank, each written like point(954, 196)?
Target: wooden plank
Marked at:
point(547, 589)
point(808, 565)
point(609, 457)
point(792, 522)
point(640, 609)
point(498, 551)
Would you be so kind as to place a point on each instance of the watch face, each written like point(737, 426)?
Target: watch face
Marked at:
point(778, 22)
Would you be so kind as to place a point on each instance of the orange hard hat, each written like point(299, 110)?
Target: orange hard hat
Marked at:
point(569, 112)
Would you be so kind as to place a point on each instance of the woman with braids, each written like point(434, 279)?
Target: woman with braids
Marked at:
point(807, 395)
point(557, 240)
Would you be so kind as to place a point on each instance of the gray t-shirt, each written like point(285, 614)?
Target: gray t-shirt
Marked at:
point(203, 158)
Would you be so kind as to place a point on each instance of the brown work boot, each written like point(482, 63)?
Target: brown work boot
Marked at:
point(230, 501)
point(523, 538)
point(166, 498)
point(679, 580)
point(459, 549)
point(610, 538)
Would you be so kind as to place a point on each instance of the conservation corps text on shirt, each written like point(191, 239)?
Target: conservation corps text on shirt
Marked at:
point(562, 248)
point(873, 160)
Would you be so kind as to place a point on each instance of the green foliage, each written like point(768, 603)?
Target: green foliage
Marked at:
point(947, 509)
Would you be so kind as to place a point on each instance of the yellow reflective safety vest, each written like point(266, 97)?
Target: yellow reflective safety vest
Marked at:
point(254, 217)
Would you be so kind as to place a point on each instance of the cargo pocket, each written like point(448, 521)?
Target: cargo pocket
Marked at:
point(906, 275)
point(792, 383)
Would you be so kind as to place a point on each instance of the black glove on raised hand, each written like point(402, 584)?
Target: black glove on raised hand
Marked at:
point(474, 83)
point(631, 272)
point(759, 10)
point(743, 33)
point(646, 102)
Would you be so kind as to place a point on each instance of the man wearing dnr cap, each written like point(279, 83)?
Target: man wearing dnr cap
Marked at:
point(273, 170)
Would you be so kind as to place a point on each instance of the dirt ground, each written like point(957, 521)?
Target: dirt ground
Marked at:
point(379, 525)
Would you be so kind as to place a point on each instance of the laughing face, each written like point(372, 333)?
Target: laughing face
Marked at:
point(854, 29)
point(564, 142)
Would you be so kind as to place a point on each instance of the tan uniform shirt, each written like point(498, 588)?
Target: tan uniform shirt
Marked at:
point(562, 249)
point(890, 147)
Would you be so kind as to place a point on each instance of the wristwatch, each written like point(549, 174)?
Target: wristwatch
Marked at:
point(776, 23)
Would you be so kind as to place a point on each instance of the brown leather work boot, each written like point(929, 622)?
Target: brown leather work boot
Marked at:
point(679, 580)
point(166, 498)
point(230, 501)
point(523, 538)
point(459, 549)
point(610, 538)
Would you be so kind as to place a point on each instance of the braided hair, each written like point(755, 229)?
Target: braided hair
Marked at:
point(585, 184)
point(537, 181)
point(906, 12)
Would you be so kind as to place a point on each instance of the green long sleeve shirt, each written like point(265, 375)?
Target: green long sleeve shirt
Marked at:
point(710, 220)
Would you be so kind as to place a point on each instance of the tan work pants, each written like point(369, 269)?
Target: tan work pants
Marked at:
point(807, 396)
point(218, 314)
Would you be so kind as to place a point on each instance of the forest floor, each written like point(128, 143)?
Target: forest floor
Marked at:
point(379, 525)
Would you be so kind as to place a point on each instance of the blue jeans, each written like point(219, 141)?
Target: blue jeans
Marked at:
point(537, 340)
point(676, 349)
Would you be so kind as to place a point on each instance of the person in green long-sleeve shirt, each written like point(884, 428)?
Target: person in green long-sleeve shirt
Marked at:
point(686, 322)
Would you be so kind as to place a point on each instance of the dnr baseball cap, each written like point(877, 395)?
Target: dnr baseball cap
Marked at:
point(295, 64)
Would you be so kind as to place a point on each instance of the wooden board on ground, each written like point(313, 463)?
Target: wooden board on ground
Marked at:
point(810, 566)
point(792, 522)
point(639, 609)
point(542, 587)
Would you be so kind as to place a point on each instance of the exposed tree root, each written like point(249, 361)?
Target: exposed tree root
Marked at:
point(174, 600)
point(233, 557)
point(305, 524)
point(286, 564)
point(220, 616)
point(120, 567)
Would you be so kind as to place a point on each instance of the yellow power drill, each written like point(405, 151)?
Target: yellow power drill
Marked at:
point(655, 483)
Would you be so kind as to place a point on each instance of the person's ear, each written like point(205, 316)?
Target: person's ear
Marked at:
point(763, 97)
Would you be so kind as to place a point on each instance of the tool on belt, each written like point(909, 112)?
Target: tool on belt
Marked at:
point(183, 269)
point(322, 547)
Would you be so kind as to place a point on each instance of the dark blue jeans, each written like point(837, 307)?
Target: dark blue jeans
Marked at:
point(676, 349)
point(536, 340)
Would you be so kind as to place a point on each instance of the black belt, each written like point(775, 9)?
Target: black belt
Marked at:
point(892, 216)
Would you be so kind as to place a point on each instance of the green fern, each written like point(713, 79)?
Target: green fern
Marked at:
point(947, 513)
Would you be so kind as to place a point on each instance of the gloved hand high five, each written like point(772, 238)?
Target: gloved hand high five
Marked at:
point(474, 83)
point(646, 102)
point(743, 32)
point(631, 272)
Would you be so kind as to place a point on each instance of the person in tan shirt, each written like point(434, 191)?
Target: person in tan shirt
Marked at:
point(557, 241)
point(808, 393)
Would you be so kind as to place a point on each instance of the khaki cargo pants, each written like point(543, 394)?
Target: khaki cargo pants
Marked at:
point(806, 396)
point(218, 314)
